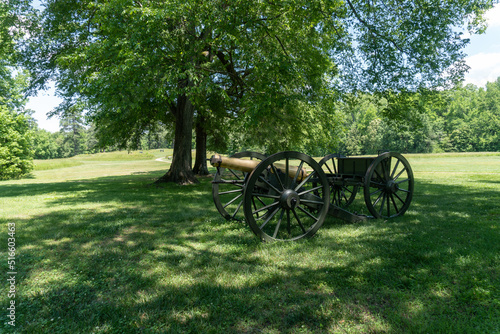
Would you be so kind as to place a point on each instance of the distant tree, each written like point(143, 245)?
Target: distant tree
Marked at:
point(45, 145)
point(470, 119)
point(16, 156)
point(72, 126)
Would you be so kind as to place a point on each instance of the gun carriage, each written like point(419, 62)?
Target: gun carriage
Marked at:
point(287, 196)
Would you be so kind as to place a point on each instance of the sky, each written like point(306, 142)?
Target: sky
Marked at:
point(483, 59)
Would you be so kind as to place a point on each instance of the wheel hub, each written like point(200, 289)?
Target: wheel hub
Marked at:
point(391, 187)
point(289, 199)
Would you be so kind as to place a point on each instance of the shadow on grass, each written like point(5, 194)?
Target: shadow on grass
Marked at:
point(134, 259)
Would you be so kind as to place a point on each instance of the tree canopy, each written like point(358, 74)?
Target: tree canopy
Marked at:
point(271, 68)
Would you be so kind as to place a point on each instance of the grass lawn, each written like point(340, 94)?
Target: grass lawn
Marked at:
point(100, 251)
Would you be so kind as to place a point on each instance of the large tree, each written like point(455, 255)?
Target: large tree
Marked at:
point(140, 62)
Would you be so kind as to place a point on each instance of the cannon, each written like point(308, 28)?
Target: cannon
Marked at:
point(287, 195)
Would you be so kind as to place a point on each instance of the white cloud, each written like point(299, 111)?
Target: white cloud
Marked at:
point(484, 67)
point(493, 16)
point(484, 51)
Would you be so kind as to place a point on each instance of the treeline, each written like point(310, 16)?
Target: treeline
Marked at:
point(78, 136)
point(65, 144)
point(464, 119)
point(68, 143)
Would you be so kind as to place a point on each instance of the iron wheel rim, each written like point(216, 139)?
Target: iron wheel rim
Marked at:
point(268, 214)
point(389, 186)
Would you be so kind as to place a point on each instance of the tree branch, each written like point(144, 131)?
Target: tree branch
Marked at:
point(372, 30)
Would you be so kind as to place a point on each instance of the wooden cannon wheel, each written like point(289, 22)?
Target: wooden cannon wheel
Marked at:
point(286, 197)
point(388, 186)
point(228, 185)
point(342, 194)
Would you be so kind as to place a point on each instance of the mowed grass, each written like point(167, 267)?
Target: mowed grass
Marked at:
point(106, 156)
point(101, 251)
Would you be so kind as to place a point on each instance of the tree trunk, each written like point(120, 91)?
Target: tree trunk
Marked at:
point(180, 170)
point(200, 162)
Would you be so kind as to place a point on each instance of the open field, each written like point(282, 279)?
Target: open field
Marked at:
point(100, 251)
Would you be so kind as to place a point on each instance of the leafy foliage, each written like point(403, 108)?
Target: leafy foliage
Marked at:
point(410, 45)
point(45, 145)
point(471, 119)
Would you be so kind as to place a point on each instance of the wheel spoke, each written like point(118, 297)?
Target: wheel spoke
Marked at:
point(384, 175)
point(307, 213)
point(230, 192)
point(266, 207)
point(232, 172)
point(388, 206)
point(378, 199)
point(261, 201)
point(374, 184)
point(309, 190)
point(399, 198)
point(387, 168)
point(278, 224)
point(376, 191)
point(395, 168)
point(231, 201)
point(238, 183)
point(394, 203)
point(328, 167)
point(347, 189)
point(298, 221)
point(237, 209)
point(399, 174)
point(383, 202)
point(310, 201)
point(287, 171)
point(288, 225)
point(299, 171)
point(304, 181)
point(269, 218)
point(402, 181)
point(343, 194)
point(275, 171)
point(269, 184)
point(265, 196)
point(255, 205)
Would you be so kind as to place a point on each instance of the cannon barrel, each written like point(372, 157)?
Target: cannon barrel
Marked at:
point(248, 166)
